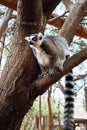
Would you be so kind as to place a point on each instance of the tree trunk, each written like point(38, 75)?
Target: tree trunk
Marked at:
point(40, 126)
point(85, 98)
point(49, 109)
point(5, 22)
point(18, 87)
point(20, 71)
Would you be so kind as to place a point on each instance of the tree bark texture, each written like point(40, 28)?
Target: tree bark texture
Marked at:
point(81, 30)
point(19, 85)
point(21, 68)
point(71, 24)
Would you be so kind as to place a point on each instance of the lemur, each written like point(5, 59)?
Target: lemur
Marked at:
point(50, 52)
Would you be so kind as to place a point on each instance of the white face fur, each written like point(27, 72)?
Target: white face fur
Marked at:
point(35, 40)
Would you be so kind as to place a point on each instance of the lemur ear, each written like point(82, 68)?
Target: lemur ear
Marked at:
point(27, 38)
point(40, 34)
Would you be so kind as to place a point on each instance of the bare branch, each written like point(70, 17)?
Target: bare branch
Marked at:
point(41, 85)
point(59, 21)
point(55, 17)
point(5, 22)
point(21, 68)
point(60, 86)
point(1, 49)
point(10, 4)
point(80, 77)
point(72, 21)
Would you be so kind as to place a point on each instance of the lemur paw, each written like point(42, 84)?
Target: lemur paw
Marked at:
point(51, 72)
point(60, 65)
point(42, 74)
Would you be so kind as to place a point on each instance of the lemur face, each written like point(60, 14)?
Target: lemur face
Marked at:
point(35, 40)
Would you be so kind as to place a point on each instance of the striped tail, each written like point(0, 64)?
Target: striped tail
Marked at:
point(69, 103)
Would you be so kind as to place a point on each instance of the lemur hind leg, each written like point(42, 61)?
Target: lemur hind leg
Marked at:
point(60, 64)
point(51, 71)
point(52, 65)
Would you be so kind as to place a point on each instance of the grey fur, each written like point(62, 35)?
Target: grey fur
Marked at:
point(50, 51)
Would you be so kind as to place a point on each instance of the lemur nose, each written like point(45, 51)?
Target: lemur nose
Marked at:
point(31, 42)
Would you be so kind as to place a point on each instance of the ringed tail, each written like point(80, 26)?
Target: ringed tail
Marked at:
point(69, 102)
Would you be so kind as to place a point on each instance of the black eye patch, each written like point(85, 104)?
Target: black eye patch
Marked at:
point(34, 39)
point(40, 38)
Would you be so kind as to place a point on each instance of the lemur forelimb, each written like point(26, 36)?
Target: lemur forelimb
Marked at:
point(50, 51)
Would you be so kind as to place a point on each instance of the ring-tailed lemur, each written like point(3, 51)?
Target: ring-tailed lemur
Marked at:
point(51, 51)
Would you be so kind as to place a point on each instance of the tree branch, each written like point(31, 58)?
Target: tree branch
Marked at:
point(72, 21)
point(5, 22)
point(60, 86)
point(80, 77)
point(41, 85)
point(49, 6)
point(32, 18)
point(68, 4)
point(58, 22)
point(10, 4)
point(21, 69)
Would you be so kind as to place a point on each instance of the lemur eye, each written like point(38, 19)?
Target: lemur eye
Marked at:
point(40, 38)
point(34, 39)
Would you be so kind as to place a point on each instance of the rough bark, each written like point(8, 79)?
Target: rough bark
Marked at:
point(21, 68)
point(13, 5)
point(2, 48)
point(18, 84)
point(81, 31)
point(18, 74)
point(73, 20)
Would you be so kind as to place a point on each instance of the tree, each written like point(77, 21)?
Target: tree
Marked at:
point(19, 85)
point(4, 29)
point(49, 109)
